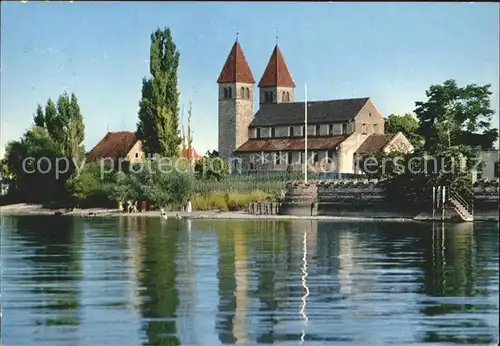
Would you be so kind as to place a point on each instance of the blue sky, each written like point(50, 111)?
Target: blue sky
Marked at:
point(391, 52)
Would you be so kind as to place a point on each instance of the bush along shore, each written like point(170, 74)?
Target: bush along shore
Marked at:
point(97, 186)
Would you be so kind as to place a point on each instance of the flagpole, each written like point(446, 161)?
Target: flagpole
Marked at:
point(305, 134)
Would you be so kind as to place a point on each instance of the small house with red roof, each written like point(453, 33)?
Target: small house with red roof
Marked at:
point(124, 145)
point(117, 145)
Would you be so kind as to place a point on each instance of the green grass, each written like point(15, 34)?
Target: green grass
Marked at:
point(227, 201)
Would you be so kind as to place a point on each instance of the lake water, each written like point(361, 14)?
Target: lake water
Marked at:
point(70, 281)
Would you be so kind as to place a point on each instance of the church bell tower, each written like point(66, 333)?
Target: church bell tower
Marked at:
point(276, 84)
point(235, 101)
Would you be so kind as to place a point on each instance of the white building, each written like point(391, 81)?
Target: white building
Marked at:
point(490, 167)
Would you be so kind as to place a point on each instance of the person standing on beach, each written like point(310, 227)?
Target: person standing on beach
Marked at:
point(188, 206)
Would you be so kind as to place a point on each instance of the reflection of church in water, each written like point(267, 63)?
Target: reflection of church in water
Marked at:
point(254, 279)
point(263, 281)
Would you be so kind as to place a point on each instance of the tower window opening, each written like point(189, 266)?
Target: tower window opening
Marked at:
point(242, 92)
point(226, 93)
point(248, 93)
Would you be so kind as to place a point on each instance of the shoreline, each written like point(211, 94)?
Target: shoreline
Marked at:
point(23, 209)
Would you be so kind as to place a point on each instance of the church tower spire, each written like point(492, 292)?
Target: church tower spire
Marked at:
point(236, 69)
point(235, 101)
point(276, 84)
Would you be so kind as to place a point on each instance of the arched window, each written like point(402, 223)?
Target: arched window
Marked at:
point(230, 92)
point(271, 96)
point(283, 97)
point(226, 93)
point(266, 96)
point(242, 92)
point(287, 96)
point(248, 93)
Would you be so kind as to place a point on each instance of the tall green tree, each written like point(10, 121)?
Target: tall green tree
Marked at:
point(39, 117)
point(52, 122)
point(158, 125)
point(190, 130)
point(454, 122)
point(183, 135)
point(456, 115)
point(76, 130)
point(30, 164)
point(64, 124)
point(407, 124)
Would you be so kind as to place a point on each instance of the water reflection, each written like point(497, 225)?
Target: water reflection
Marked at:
point(449, 284)
point(150, 281)
point(40, 281)
point(160, 297)
point(304, 285)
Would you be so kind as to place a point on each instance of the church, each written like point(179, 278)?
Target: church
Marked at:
point(273, 138)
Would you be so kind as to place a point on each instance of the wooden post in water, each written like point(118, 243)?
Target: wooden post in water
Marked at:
point(443, 200)
point(433, 201)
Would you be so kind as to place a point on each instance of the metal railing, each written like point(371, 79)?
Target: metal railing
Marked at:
point(460, 199)
point(462, 202)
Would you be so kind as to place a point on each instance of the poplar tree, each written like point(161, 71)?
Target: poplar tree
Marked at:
point(158, 125)
point(64, 124)
point(39, 118)
point(183, 136)
point(190, 134)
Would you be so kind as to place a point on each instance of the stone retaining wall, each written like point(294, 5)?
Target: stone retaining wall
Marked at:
point(366, 198)
point(486, 193)
point(486, 200)
point(353, 198)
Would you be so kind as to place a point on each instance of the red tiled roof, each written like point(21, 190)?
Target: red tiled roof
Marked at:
point(185, 153)
point(374, 143)
point(114, 145)
point(276, 72)
point(289, 144)
point(236, 68)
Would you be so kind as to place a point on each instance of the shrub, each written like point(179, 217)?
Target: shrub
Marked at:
point(88, 189)
point(158, 187)
point(212, 167)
